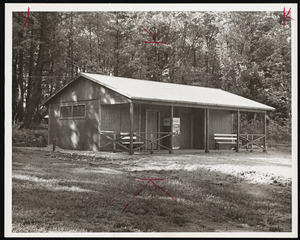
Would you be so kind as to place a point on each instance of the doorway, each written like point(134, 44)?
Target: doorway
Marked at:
point(152, 126)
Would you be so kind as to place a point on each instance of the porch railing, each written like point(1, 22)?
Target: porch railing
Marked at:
point(148, 140)
point(143, 138)
point(250, 140)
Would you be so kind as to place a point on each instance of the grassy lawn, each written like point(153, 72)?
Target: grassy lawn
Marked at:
point(72, 191)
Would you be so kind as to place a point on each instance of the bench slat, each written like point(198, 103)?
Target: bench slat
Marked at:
point(125, 139)
point(224, 134)
point(225, 138)
point(125, 143)
point(128, 138)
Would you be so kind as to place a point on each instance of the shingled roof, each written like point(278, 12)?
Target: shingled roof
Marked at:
point(144, 90)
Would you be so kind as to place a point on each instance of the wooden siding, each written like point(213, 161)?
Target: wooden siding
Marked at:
point(116, 117)
point(198, 139)
point(164, 112)
point(219, 122)
point(81, 133)
point(109, 111)
point(185, 137)
point(85, 90)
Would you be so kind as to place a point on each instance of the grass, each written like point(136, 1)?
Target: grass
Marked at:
point(61, 192)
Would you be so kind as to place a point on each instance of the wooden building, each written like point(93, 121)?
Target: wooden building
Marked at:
point(99, 112)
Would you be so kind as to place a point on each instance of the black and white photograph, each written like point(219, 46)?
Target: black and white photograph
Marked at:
point(162, 120)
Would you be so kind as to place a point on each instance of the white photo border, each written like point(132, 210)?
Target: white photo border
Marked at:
point(47, 7)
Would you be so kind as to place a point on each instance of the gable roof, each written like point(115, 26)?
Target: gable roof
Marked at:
point(136, 89)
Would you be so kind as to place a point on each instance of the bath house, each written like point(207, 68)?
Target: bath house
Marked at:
point(105, 113)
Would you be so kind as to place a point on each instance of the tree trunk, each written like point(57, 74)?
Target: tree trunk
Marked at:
point(31, 60)
point(34, 96)
point(91, 50)
point(20, 109)
point(71, 47)
point(14, 86)
point(116, 68)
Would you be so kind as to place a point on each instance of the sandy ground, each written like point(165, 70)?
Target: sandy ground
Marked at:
point(272, 167)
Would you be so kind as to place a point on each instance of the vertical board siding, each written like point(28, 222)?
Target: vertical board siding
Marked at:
point(198, 128)
point(80, 133)
point(185, 128)
point(83, 89)
point(116, 117)
point(83, 134)
point(219, 122)
point(109, 111)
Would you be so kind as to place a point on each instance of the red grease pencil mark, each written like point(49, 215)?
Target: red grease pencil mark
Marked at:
point(286, 16)
point(149, 180)
point(151, 42)
point(154, 38)
point(27, 19)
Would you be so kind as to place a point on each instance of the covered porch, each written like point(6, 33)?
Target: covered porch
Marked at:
point(140, 126)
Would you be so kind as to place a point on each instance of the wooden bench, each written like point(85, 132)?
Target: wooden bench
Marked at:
point(125, 139)
point(226, 139)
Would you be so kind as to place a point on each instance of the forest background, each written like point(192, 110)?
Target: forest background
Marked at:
point(246, 53)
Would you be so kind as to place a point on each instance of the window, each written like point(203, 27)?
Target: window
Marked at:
point(76, 111)
point(79, 111)
point(66, 111)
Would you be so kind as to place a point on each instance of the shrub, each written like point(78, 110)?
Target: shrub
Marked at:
point(37, 137)
point(279, 134)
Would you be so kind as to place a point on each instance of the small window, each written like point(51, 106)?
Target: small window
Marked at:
point(79, 111)
point(66, 111)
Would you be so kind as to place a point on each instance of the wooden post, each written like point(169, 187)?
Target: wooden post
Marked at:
point(206, 130)
point(171, 123)
point(265, 131)
point(99, 125)
point(114, 143)
point(238, 131)
point(192, 129)
point(54, 144)
point(140, 122)
point(151, 143)
point(131, 129)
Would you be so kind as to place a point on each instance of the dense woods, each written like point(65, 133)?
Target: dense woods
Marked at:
point(247, 53)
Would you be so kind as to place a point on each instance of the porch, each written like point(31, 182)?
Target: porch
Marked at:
point(144, 127)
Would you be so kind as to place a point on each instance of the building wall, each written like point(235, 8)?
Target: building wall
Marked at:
point(198, 126)
point(109, 111)
point(116, 117)
point(219, 122)
point(80, 133)
point(83, 89)
point(164, 112)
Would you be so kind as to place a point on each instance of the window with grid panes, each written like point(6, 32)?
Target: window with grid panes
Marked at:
point(66, 111)
point(79, 111)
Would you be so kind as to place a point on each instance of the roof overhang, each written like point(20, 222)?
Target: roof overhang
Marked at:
point(157, 101)
point(197, 105)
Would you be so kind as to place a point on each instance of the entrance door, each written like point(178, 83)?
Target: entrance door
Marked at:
point(185, 130)
point(152, 126)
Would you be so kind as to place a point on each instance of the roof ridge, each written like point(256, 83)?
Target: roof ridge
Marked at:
point(137, 79)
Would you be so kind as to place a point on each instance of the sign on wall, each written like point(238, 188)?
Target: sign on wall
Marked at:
point(176, 125)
